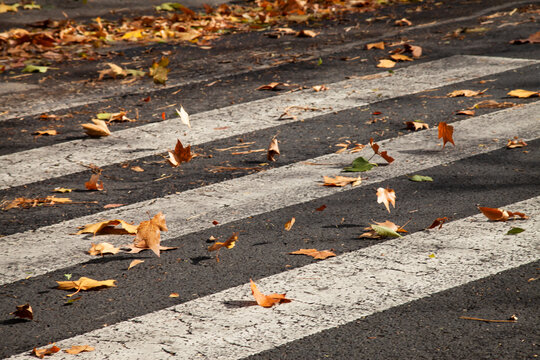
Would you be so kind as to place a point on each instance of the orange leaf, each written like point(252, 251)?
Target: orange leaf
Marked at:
point(307, 33)
point(465, 112)
point(316, 254)
point(94, 183)
point(273, 150)
point(377, 45)
point(267, 300)
point(321, 208)
point(520, 93)
point(272, 86)
point(466, 93)
point(174, 295)
point(340, 181)
point(403, 22)
point(385, 63)
point(180, 154)
point(386, 196)
point(134, 263)
point(415, 125)
point(106, 227)
point(383, 154)
point(229, 244)
point(515, 143)
point(289, 224)
point(500, 214)
point(40, 353)
point(438, 222)
point(445, 132)
point(24, 312)
point(103, 248)
point(400, 57)
point(149, 234)
point(84, 283)
point(77, 349)
point(97, 129)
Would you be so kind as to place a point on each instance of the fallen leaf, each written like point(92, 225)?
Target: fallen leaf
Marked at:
point(466, 112)
point(133, 35)
point(377, 45)
point(45, 132)
point(492, 104)
point(289, 224)
point(103, 248)
point(532, 39)
point(523, 94)
point(77, 349)
point(273, 150)
point(97, 129)
point(110, 206)
point(385, 63)
point(159, 71)
point(386, 196)
point(62, 190)
point(113, 71)
point(174, 295)
point(24, 312)
point(5, 8)
point(137, 169)
point(229, 244)
point(420, 178)
point(384, 231)
point(416, 125)
point(321, 208)
point(105, 227)
point(340, 181)
point(512, 231)
point(35, 68)
point(267, 300)
point(272, 86)
point(134, 263)
point(180, 154)
point(383, 154)
point(359, 165)
point(445, 132)
point(94, 183)
point(403, 22)
point(184, 116)
point(416, 51)
point(40, 353)
point(466, 93)
point(318, 88)
point(112, 117)
point(149, 234)
point(33, 202)
point(314, 253)
point(515, 143)
point(400, 57)
point(307, 33)
point(438, 222)
point(500, 214)
point(84, 283)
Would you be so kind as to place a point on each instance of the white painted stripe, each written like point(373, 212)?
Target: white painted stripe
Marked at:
point(326, 294)
point(50, 248)
point(66, 158)
point(39, 106)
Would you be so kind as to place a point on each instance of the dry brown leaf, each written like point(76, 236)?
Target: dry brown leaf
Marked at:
point(94, 183)
point(416, 51)
point(24, 312)
point(523, 94)
point(149, 234)
point(110, 206)
point(316, 254)
point(174, 295)
point(377, 45)
point(492, 104)
point(33, 202)
point(273, 150)
point(318, 88)
point(321, 208)
point(103, 248)
point(272, 86)
point(229, 244)
point(307, 33)
point(106, 227)
point(400, 57)
point(515, 143)
point(500, 214)
point(40, 353)
point(384, 154)
point(466, 93)
point(45, 132)
point(386, 196)
point(532, 39)
point(97, 129)
point(341, 181)
point(77, 349)
point(445, 132)
point(466, 112)
point(438, 222)
point(403, 22)
point(415, 125)
point(113, 71)
point(134, 263)
point(137, 169)
point(289, 224)
point(267, 300)
point(85, 283)
point(180, 154)
point(385, 63)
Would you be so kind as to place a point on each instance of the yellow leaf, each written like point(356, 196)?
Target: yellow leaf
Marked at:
point(84, 283)
point(77, 349)
point(385, 63)
point(133, 35)
point(520, 93)
point(289, 224)
point(101, 227)
point(401, 57)
point(135, 263)
point(5, 8)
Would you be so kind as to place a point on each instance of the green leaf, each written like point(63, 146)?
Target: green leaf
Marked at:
point(72, 300)
point(515, 230)
point(159, 70)
point(384, 231)
point(319, 62)
point(35, 68)
point(169, 6)
point(360, 164)
point(67, 276)
point(104, 116)
point(420, 178)
point(31, 6)
point(135, 73)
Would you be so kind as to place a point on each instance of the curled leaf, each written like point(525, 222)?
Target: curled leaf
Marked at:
point(523, 94)
point(289, 224)
point(85, 283)
point(438, 222)
point(94, 183)
point(106, 227)
point(419, 178)
point(40, 353)
point(103, 248)
point(386, 196)
point(340, 181)
point(273, 150)
point(385, 63)
point(229, 244)
point(267, 300)
point(445, 132)
point(97, 129)
point(314, 253)
point(495, 214)
point(24, 312)
point(77, 349)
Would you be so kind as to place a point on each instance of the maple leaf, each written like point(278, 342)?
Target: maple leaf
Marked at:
point(289, 224)
point(40, 353)
point(385, 63)
point(383, 154)
point(106, 227)
point(24, 312)
point(438, 222)
point(97, 129)
point(103, 248)
point(84, 283)
point(500, 214)
point(94, 183)
point(134, 263)
point(149, 235)
point(159, 70)
point(515, 143)
point(229, 244)
point(77, 349)
point(445, 132)
point(377, 45)
point(184, 116)
point(316, 254)
point(386, 196)
point(267, 300)
point(180, 154)
point(273, 150)
point(523, 94)
point(340, 181)
point(466, 93)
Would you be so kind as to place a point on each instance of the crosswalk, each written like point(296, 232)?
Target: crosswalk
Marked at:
point(218, 322)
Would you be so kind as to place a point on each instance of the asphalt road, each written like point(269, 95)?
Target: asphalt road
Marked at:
point(378, 298)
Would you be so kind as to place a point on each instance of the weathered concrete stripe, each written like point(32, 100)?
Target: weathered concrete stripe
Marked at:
point(39, 106)
point(65, 158)
point(52, 247)
point(325, 294)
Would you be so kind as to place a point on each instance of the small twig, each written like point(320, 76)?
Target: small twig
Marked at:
point(487, 320)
